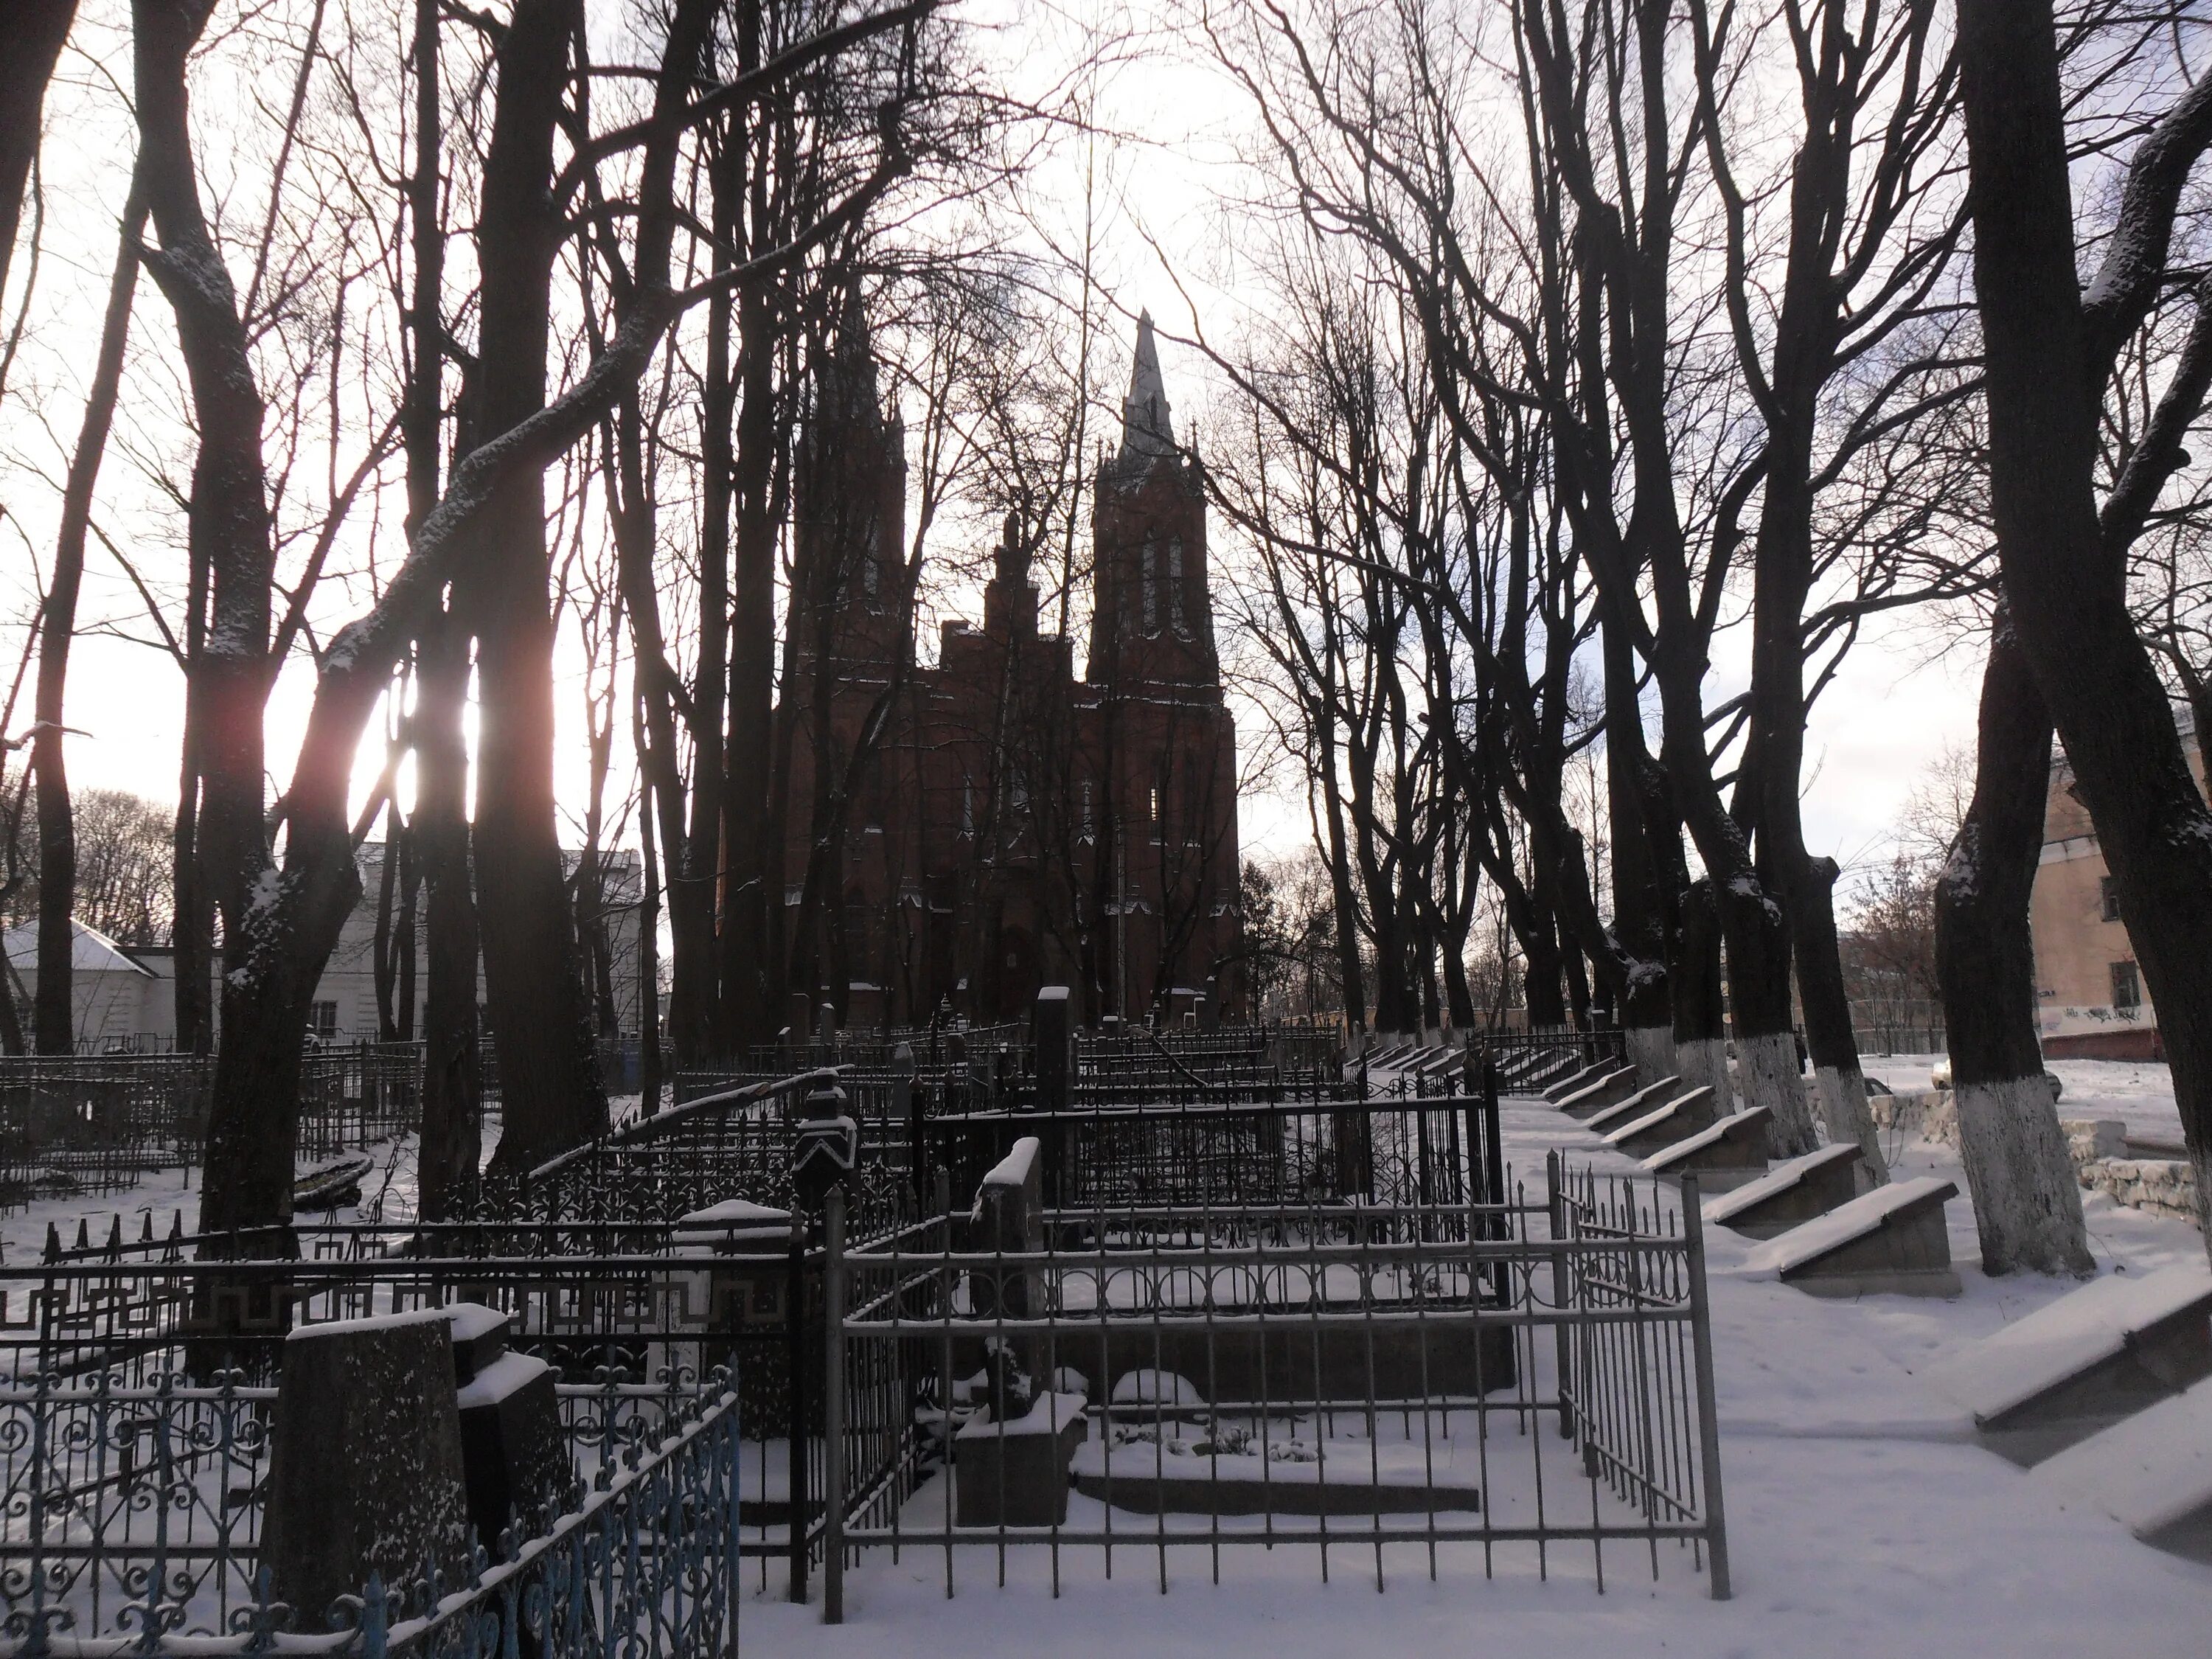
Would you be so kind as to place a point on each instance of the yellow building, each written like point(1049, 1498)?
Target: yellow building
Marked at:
point(2090, 1000)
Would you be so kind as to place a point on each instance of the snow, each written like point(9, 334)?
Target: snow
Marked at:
point(1050, 1414)
point(387, 1321)
point(1779, 1179)
point(1863, 1215)
point(472, 1321)
point(1013, 1169)
point(2148, 1472)
point(1147, 1387)
point(2071, 1335)
point(506, 1376)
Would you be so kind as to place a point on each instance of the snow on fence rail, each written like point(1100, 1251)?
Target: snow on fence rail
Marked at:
point(1376, 1379)
point(133, 1515)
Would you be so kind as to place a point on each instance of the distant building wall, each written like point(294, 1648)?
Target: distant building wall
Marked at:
point(2090, 999)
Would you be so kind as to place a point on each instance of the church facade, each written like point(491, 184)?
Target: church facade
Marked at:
point(957, 836)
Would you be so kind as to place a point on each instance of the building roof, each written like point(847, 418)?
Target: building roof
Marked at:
point(91, 951)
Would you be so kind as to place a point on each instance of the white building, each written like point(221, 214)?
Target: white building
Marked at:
point(124, 996)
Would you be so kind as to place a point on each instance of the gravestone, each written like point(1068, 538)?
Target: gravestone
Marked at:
point(1053, 1031)
point(515, 1455)
point(366, 1473)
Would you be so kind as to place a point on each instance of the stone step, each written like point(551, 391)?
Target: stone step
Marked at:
point(1591, 1098)
point(2086, 1361)
point(1893, 1240)
point(2152, 1472)
point(1581, 1077)
point(1790, 1193)
point(1727, 1152)
point(1649, 1099)
point(1683, 1116)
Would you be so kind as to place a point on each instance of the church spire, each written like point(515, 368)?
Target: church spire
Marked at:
point(1146, 427)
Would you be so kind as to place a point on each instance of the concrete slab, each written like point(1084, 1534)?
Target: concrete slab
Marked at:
point(2093, 1358)
point(1790, 1193)
point(2152, 1472)
point(1680, 1117)
point(1891, 1241)
point(1726, 1153)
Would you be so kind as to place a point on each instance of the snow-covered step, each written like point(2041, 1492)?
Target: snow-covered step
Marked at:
point(1682, 1116)
point(1560, 1088)
point(1649, 1099)
point(2085, 1362)
point(1594, 1097)
point(1892, 1241)
point(1725, 1153)
point(1790, 1193)
point(2152, 1472)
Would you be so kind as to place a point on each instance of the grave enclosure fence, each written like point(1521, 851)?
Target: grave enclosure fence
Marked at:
point(1376, 1383)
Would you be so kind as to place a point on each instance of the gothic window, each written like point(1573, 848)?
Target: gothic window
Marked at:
point(1150, 579)
point(967, 807)
point(872, 576)
point(1088, 832)
point(1175, 589)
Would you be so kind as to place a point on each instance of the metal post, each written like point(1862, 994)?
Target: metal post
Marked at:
point(833, 1407)
point(1709, 1428)
point(794, 1313)
point(1562, 1333)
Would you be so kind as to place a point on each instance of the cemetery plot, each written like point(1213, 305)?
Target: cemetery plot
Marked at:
point(1331, 1376)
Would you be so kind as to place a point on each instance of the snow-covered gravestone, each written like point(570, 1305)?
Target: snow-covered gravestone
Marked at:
point(1009, 1215)
point(366, 1469)
point(514, 1454)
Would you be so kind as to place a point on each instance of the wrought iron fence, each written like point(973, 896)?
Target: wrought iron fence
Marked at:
point(1376, 1383)
point(132, 1527)
point(1395, 1148)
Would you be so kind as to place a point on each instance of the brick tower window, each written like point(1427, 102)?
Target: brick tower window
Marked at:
point(1146, 558)
point(1175, 619)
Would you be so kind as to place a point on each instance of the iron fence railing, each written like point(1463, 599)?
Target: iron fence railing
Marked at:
point(133, 1515)
point(1376, 1383)
point(1390, 1150)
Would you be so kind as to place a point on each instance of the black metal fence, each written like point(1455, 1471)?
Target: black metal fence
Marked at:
point(1378, 1383)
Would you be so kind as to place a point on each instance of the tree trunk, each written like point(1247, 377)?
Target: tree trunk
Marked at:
point(2027, 1206)
point(253, 1125)
point(695, 864)
point(53, 1016)
point(31, 32)
point(2068, 600)
point(1700, 1033)
point(1639, 907)
point(550, 1094)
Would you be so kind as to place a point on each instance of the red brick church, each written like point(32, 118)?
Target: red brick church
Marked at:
point(964, 834)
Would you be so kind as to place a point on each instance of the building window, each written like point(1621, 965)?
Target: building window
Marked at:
point(2127, 988)
point(2108, 894)
point(1087, 829)
point(1175, 588)
point(967, 807)
point(1150, 577)
point(322, 1021)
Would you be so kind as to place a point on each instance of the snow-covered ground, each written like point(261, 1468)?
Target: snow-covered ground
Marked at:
point(1862, 1520)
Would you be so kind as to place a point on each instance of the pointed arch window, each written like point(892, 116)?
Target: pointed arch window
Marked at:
point(1148, 568)
point(1176, 617)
